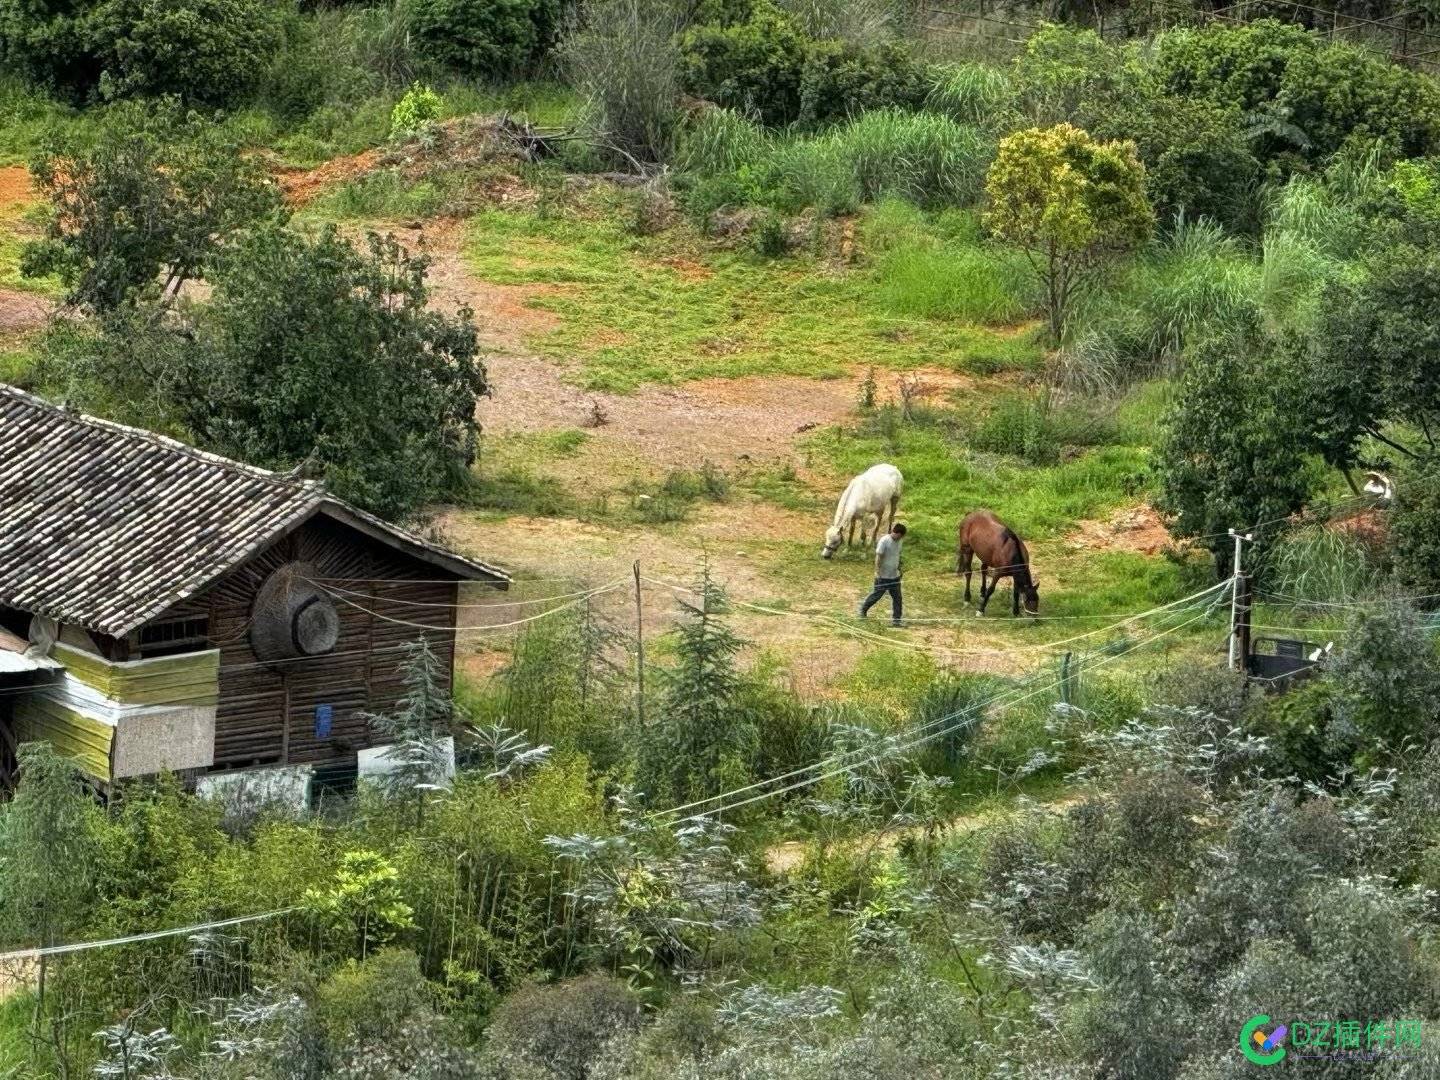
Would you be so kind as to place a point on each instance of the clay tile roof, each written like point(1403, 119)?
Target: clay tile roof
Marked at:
point(107, 526)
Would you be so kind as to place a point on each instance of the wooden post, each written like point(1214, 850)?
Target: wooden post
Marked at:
point(639, 652)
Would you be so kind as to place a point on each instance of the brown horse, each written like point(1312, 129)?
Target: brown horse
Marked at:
point(1002, 553)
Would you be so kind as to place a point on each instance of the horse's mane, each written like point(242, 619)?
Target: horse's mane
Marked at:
point(1021, 567)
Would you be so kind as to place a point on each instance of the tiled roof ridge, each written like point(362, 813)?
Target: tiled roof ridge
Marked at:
point(165, 442)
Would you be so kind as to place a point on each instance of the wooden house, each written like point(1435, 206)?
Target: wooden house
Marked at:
point(166, 608)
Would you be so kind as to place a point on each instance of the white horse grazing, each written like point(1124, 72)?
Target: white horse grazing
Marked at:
point(870, 494)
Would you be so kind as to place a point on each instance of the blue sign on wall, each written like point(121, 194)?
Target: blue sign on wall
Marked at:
point(323, 716)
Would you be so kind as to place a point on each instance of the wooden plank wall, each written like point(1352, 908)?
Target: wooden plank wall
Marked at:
point(267, 712)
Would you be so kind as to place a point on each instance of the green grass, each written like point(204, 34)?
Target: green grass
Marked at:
point(629, 317)
point(341, 127)
point(16, 226)
point(946, 478)
point(15, 1014)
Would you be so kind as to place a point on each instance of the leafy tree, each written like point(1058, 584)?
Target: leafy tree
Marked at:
point(1371, 362)
point(1070, 203)
point(487, 39)
point(206, 51)
point(144, 207)
point(1414, 538)
point(703, 736)
point(311, 350)
point(51, 838)
point(1233, 451)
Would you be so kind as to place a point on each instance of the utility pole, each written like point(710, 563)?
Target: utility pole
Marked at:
point(639, 652)
point(1237, 661)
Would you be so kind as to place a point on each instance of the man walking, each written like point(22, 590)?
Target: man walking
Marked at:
point(887, 573)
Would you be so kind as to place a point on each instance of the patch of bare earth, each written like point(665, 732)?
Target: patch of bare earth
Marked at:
point(1136, 529)
point(15, 185)
point(21, 311)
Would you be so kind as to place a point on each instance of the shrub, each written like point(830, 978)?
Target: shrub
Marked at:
point(1303, 99)
point(417, 108)
point(563, 1027)
point(1388, 679)
point(622, 54)
point(1415, 524)
point(213, 51)
point(210, 51)
point(486, 39)
point(765, 66)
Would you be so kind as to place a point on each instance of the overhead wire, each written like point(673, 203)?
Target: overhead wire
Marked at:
point(917, 741)
point(799, 771)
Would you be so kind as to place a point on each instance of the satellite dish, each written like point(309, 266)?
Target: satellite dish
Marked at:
point(292, 616)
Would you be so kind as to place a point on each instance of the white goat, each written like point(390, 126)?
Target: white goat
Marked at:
point(870, 494)
point(1379, 484)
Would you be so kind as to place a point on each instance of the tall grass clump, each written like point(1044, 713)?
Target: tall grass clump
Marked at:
point(922, 156)
point(941, 267)
point(971, 93)
point(1196, 278)
point(623, 56)
point(722, 141)
point(1322, 562)
point(860, 22)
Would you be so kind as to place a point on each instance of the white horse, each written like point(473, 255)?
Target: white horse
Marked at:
point(870, 494)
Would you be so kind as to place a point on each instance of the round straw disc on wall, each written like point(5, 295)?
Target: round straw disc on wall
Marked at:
point(292, 617)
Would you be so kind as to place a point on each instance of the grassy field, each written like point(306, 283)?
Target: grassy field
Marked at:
point(640, 309)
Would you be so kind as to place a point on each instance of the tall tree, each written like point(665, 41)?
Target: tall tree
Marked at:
point(144, 206)
point(1071, 204)
point(1234, 452)
point(704, 735)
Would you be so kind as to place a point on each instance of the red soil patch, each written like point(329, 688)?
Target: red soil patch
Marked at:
point(1136, 529)
point(300, 186)
point(1368, 527)
point(15, 185)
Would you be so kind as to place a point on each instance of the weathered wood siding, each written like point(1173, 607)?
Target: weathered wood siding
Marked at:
point(267, 713)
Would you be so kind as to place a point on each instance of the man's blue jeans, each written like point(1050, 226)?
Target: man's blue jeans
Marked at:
point(883, 586)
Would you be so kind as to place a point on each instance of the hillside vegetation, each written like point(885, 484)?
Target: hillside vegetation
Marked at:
point(619, 294)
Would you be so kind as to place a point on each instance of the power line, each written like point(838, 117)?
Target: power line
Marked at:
point(153, 935)
point(920, 740)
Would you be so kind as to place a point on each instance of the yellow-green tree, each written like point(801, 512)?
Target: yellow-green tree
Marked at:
point(1070, 203)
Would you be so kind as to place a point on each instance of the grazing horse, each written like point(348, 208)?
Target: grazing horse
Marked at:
point(871, 494)
point(1002, 553)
